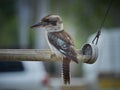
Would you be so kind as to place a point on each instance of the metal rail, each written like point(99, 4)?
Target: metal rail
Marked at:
point(34, 55)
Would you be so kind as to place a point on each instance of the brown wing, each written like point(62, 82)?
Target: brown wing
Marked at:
point(66, 37)
point(63, 42)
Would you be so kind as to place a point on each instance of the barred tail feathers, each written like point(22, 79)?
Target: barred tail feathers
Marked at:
point(66, 70)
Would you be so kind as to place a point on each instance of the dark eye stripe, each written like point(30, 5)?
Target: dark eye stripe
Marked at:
point(46, 20)
point(54, 23)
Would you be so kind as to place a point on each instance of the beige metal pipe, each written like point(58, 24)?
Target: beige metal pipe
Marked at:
point(33, 55)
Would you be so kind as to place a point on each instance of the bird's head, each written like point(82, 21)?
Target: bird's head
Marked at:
point(52, 23)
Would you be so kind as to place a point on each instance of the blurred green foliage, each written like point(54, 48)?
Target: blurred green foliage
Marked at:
point(88, 13)
point(8, 25)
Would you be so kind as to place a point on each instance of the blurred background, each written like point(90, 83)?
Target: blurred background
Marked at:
point(81, 19)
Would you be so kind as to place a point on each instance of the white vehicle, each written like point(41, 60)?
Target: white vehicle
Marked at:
point(24, 75)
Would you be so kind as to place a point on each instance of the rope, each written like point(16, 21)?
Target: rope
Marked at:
point(96, 38)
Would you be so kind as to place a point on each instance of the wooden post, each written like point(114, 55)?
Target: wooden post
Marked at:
point(33, 55)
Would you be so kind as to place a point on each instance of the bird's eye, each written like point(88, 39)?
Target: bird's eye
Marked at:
point(47, 21)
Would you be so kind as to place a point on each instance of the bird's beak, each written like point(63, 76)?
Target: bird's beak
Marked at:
point(39, 24)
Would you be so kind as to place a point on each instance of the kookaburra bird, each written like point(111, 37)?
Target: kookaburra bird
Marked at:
point(61, 40)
